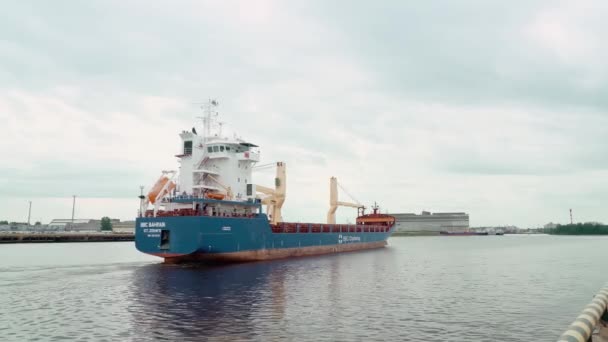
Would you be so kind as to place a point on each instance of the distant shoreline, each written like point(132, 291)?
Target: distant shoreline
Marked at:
point(579, 229)
point(7, 238)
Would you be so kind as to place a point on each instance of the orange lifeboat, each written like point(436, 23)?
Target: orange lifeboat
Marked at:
point(216, 196)
point(155, 192)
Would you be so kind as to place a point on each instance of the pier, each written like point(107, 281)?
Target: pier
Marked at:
point(64, 237)
point(592, 324)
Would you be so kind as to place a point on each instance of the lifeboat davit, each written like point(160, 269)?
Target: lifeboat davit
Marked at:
point(155, 192)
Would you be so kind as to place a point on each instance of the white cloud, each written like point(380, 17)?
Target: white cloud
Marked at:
point(417, 113)
point(571, 30)
point(573, 34)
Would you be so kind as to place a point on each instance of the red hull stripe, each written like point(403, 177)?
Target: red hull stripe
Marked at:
point(269, 254)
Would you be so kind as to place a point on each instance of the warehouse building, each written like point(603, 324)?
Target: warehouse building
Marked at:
point(126, 227)
point(428, 223)
point(78, 225)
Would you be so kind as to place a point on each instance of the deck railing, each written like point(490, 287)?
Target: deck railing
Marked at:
point(288, 227)
point(594, 316)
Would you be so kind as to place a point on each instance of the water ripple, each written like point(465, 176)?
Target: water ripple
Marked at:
point(418, 289)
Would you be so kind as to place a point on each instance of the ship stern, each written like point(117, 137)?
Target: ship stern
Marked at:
point(167, 237)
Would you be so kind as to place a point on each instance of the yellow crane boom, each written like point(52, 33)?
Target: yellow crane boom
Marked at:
point(334, 203)
point(275, 197)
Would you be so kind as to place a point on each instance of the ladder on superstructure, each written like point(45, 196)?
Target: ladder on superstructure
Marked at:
point(200, 177)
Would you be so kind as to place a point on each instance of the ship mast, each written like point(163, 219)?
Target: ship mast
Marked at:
point(209, 118)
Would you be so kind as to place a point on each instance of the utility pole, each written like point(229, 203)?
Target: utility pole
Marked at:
point(571, 222)
point(29, 214)
point(73, 206)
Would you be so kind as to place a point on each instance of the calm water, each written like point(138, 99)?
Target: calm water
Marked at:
point(510, 288)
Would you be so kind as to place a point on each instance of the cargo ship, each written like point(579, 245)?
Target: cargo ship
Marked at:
point(210, 210)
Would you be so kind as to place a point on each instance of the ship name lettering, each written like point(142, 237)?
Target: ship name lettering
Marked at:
point(351, 238)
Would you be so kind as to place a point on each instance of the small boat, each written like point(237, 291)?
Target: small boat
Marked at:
point(462, 233)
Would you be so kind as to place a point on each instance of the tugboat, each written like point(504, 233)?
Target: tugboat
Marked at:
point(211, 210)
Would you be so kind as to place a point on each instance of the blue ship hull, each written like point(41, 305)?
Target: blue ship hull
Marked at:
point(234, 239)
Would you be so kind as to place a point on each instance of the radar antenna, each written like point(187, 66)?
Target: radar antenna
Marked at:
point(209, 118)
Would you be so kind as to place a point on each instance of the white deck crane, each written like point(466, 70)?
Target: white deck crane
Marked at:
point(275, 197)
point(334, 203)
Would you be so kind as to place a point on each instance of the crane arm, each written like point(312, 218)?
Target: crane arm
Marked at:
point(334, 203)
point(352, 205)
point(264, 190)
point(275, 197)
point(268, 200)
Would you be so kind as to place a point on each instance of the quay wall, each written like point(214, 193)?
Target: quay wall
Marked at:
point(63, 237)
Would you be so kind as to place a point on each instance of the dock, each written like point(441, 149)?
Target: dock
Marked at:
point(28, 237)
point(592, 324)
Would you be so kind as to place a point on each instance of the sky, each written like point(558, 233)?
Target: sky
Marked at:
point(498, 109)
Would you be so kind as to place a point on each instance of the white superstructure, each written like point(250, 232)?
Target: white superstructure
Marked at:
point(211, 163)
point(213, 166)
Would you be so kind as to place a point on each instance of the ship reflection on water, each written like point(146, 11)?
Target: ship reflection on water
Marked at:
point(192, 302)
point(417, 289)
point(276, 300)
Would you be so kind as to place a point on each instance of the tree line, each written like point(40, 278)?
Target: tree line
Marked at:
point(13, 223)
point(106, 223)
point(587, 228)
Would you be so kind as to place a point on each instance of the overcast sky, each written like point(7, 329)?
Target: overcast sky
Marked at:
point(496, 108)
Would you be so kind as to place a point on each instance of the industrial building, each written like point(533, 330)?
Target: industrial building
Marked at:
point(127, 227)
point(78, 225)
point(69, 225)
point(428, 223)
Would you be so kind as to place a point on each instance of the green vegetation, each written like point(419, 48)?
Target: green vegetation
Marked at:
point(37, 223)
point(106, 223)
point(579, 229)
point(3, 222)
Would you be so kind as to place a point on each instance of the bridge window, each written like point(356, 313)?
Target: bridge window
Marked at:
point(216, 148)
point(188, 147)
point(221, 148)
point(227, 148)
point(209, 149)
